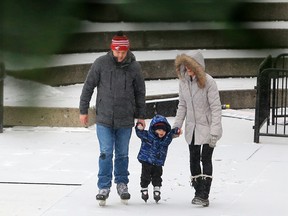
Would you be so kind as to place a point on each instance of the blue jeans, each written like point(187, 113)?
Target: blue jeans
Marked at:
point(111, 139)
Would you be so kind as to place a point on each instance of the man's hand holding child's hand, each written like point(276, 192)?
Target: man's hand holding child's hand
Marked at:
point(139, 125)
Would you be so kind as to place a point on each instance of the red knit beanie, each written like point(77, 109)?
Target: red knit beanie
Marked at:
point(120, 42)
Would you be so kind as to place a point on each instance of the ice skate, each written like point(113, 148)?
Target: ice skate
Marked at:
point(202, 188)
point(144, 194)
point(122, 191)
point(102, 196)
point(200, 201)
point(156, 194)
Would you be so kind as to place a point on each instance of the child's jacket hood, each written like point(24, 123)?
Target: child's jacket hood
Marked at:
point(157, 119)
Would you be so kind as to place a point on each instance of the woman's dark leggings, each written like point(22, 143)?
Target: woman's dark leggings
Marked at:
point(200, 153)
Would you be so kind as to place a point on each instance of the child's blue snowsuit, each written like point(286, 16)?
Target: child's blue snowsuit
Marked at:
point(154, 149)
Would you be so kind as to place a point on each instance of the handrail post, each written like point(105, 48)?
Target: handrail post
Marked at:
point(2, 74)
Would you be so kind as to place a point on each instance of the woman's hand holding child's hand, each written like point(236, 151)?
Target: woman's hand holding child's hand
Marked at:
point(178, 132)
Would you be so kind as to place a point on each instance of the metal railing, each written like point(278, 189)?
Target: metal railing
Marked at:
point(2, 74)
point(271, 111)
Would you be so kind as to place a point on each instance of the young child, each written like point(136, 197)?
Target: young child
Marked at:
point(153, 152)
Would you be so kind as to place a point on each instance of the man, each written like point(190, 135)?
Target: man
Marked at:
point(120, 98)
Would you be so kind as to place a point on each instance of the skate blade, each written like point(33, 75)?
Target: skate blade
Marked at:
point(102, 202)
point(157, 199)
point(144, 198)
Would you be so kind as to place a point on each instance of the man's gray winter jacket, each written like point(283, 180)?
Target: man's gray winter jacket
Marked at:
point(120, 91)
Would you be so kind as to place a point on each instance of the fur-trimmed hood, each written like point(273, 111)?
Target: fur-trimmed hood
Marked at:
point(195, 62)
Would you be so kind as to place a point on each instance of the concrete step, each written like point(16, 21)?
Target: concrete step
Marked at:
point(33, 104)
point(69, 117)
point(89, 27)
point(72, 68)
point(233, 38)
point(182, 10)
point(161, 69)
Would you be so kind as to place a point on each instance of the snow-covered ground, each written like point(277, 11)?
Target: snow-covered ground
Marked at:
point(53, 172)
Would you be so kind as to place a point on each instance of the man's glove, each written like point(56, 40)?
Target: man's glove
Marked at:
point(213, 141)
point(139, 126)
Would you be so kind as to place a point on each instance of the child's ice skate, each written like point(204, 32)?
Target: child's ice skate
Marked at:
point(122, 191)
point(156, 194)
point(102, 196)
point(144, 194)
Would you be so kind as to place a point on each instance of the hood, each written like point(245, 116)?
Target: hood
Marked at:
point(197, 56)
point(157, 119)
point(194, 61)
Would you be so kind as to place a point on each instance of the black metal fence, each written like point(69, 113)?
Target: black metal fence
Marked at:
point(271, 110)
point(2, 73)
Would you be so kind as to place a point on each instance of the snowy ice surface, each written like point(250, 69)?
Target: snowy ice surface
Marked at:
point(53, 172)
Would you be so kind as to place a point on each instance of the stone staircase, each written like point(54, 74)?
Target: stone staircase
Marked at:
point(234, 42)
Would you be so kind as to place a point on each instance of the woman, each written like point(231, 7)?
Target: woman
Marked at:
point(200, 107)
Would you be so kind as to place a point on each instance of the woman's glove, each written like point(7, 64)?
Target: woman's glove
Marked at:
point(177, 132)
point(213, 141)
